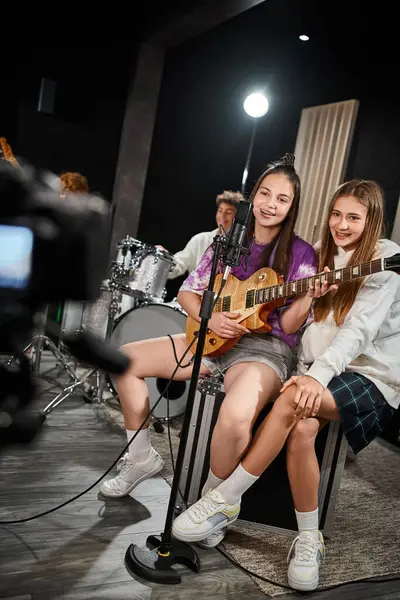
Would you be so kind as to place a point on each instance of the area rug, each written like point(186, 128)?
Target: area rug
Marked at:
point(365, 539)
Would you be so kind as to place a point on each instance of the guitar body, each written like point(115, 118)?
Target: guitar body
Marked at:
point(233, 299)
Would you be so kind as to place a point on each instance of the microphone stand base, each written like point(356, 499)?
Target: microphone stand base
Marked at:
point(154, 562)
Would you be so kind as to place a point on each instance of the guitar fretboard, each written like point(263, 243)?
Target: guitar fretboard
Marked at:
point(300, 286)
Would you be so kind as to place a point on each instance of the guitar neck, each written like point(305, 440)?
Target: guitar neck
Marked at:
point(300, 286)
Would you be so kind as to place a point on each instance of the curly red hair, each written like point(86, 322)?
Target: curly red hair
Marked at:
point(74, 182)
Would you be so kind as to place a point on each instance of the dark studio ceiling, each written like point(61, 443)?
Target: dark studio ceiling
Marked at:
point(348, 28)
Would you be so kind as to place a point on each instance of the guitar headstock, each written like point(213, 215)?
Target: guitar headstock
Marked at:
point(6, 152)
point(392, 263)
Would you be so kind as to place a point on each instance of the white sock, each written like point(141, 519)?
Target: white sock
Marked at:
point(233, 488)
point(308, 521)
point(139, 450)
point(211, 482)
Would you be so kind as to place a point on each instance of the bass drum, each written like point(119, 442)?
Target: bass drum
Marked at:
point(152, 321)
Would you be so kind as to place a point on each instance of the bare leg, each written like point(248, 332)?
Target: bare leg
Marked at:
point(248, 386)
point(307, 550)
point(302, 464)
point(275, 430)
point(149, 358)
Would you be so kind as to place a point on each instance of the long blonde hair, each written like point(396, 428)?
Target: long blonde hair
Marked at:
point(370, 195)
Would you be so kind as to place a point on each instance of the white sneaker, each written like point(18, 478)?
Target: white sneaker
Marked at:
point(208, 515)
point(131, 473)
point(305, 556)
point(213, 540)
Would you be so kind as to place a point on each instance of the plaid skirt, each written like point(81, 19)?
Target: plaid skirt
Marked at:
point(364, 412)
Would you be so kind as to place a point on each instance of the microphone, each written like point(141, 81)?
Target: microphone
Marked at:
point(234, 244)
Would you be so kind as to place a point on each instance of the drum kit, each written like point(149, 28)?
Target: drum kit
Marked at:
point(131, 307)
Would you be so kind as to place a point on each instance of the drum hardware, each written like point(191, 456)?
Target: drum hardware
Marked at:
point(146, 269)
point(39, 342)
point(136, 285)
point(95, 392)
point(105, 310)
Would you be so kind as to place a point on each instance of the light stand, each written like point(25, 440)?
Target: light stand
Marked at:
point(248, 159)
point(155, 561)
point(256, 105)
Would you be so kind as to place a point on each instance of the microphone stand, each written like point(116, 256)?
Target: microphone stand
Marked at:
point(154, 561)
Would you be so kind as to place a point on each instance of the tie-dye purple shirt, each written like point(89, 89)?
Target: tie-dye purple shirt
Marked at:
point(303, 263)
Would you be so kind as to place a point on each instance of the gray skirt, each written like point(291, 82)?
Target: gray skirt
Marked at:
point(255, 347)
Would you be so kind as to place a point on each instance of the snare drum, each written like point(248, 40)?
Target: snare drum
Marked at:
point(152, 321)
point(94, 316)
point(147, 269)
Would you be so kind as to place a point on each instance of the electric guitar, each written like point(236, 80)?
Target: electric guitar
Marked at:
point(255, 297)
point(6, 153)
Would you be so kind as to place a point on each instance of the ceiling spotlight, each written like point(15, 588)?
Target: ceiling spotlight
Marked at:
point(304, 38)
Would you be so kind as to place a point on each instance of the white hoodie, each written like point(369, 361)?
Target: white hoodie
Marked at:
point(368, 342)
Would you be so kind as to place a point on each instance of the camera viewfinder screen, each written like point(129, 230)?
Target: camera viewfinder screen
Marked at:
point(16, 244)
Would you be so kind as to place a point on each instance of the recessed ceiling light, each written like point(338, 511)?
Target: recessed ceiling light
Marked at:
point(304, 38)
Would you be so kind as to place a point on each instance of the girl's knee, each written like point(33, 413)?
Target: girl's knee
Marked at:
point(284, 404)
point(136, 352)
point(303, 434)
point(233, 422)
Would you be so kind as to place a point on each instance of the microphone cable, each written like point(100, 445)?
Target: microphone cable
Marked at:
point(51, 510)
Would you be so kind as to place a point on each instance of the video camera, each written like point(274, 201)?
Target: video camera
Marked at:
point(51, 249)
